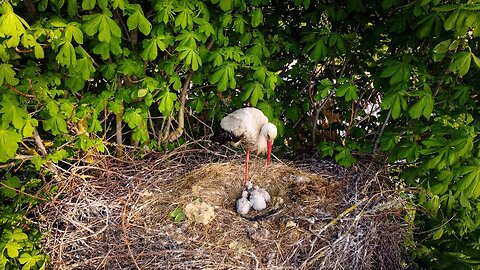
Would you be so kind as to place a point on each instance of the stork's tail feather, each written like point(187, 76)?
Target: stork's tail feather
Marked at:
point(222, 136)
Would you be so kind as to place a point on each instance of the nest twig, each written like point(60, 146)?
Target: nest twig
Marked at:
point(113, 214)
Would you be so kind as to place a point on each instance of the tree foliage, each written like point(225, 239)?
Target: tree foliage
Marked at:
point(392, 78)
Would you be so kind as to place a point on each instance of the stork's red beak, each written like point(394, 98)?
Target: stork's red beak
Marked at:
point(269, 150)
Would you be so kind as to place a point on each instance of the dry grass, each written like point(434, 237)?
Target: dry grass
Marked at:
point(113, 214)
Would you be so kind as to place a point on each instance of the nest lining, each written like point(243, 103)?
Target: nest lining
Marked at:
point(113, 214)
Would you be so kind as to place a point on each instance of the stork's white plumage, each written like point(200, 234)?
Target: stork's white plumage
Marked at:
point(251, 127)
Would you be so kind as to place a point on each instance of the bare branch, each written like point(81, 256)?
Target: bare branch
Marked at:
point(39, 142)
point(377, 142)
point(183, 98)
point(18, 91)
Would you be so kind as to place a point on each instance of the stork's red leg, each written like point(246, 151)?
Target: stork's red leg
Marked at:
point(269, 151)
point(247, 159)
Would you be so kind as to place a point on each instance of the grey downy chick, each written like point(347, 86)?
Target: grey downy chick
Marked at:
point(242, 204)
point(257, 201)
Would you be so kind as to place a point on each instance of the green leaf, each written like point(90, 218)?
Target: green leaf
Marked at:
point(142, 92)
point(190, 56)
point(260, 74)
point(239, 24)
point(188, 39)
point(137, 19)
point(438, 234)
point(66, 55)
point(7, 74)
point(73, 31)
point(432, 205)
point(476, 60)
point(72, 7)
point(88, 4)
point(103, 4)
point(326, 82)
point(430, 24)
point(388, 141)
point(348, 90)
point(165, 11)
point(184, 17)
point(133, 117)
point(177, 214)
point(254, 91)
point(424, 106)
point(266, 109)
point(11, 24)
point(336, 40)
point(451, 20)
point(38, 51)
point(176, 81)
point(58, 155)
point(257, 17)
point(293, 113)
point(31, 261)
point(409, 151)
point(14, 183)
point(207, 29)
point(9, 140)
point(116, 106)
point(224, 76)
point(30, 123)
point(150, 50)
point(442, 47)
point(461, 63)
point(13, 249)
point(344, 157)
point(12, 112)
point(103, 24)
point(85, 68)
point(75, 83)
point(470, 182)
point(395, 101)
point(398, 72)
point(56, 124)
point(445, 8)
point(327, 148)
point(319, 50)
point(198, 104)
point(167, 99)
point(226, 5)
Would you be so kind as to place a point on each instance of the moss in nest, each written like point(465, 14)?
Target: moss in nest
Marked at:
point(199, 212)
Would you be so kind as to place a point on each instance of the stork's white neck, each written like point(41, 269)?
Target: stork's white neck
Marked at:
point(267, 132)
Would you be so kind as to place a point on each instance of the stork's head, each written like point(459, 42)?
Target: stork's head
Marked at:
point(269, 130)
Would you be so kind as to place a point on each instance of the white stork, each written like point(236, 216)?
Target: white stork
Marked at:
point(250, 127)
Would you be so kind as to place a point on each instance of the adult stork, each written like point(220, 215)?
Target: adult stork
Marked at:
point(250, 127)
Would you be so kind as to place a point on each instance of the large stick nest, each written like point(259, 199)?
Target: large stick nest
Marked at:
point(113, 213)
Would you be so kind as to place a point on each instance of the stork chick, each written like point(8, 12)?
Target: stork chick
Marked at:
point(257, 201)
point(242, 204)
point(264, 193)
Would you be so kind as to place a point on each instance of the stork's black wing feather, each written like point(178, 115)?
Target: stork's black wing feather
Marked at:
point(222, 136)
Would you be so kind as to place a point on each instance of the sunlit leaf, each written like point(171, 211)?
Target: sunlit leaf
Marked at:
point(137, 19)
point(7, 74)
point(167, 100)
point(133, 117)
point(9, 140)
